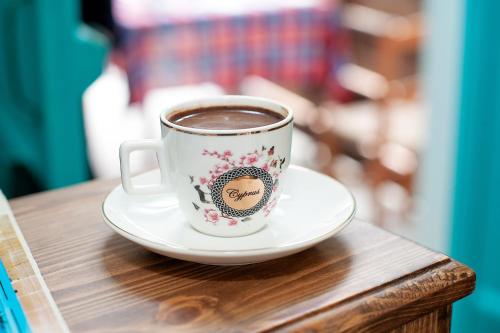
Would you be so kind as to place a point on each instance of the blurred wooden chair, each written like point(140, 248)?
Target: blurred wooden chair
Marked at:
point(384, 39)
point(383, 73)
point(386, 136)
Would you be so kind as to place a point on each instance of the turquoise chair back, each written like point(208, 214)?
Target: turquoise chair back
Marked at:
point(48, 58)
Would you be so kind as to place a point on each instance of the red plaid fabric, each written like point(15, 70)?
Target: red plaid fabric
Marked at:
point(295, 43)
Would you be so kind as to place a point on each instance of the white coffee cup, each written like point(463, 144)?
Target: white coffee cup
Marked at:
point(227, 181)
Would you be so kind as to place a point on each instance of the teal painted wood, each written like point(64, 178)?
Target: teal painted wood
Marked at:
point(48, 58)
point(476, 213)
point(12, 317)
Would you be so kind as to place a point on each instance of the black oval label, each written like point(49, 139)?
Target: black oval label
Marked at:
point(242, 191)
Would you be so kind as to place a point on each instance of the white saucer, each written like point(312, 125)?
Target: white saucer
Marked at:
point(312, 208)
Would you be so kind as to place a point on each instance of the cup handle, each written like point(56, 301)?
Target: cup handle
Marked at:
point(128, 147)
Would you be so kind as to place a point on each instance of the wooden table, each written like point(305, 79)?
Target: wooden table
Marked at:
point(365, 279)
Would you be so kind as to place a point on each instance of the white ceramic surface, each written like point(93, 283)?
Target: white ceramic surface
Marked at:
point(312, 208)
point(235, 175)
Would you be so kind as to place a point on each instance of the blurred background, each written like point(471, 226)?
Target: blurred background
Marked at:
point(396, 99)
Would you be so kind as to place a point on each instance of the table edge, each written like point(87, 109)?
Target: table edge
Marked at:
point(447, 281)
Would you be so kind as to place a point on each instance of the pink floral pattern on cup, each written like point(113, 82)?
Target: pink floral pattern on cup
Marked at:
point(263, 158)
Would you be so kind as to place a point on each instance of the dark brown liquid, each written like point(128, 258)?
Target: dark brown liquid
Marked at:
point(225, 118)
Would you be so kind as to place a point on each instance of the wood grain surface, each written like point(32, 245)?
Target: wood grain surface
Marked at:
point(364, 279)
point(38, 305)
point(437, 321)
